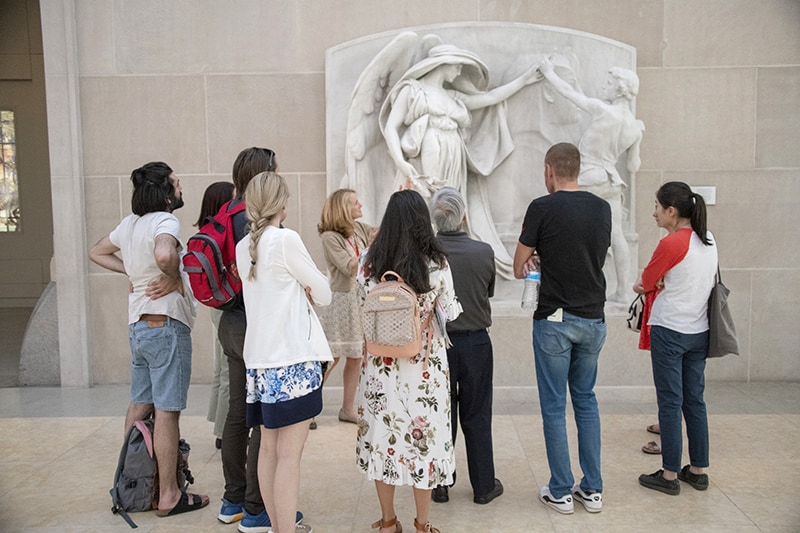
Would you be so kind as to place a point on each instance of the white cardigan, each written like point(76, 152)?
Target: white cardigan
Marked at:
point(282, 327)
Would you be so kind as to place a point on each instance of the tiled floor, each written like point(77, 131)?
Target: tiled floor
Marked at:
point(59, 447)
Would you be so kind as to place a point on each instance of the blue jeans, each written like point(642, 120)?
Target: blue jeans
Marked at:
point(566, 353)
point(161, 364)
point(679, 363)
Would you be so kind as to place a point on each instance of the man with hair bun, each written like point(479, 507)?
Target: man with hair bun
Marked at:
point(161, 313)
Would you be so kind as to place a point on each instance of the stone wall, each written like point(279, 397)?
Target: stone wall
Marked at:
point(192, 83)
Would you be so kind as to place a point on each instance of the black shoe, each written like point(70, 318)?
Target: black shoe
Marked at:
point(218, 443)
point(698, 481)
point(440, 494)
point(656, 481)
point(494, 493)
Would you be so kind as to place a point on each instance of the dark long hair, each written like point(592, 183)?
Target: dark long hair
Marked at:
point(152, 189)
point(215, 197)
point(689, 205)
point(405, 242)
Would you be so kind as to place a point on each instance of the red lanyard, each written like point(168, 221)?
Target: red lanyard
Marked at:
point(353, 244)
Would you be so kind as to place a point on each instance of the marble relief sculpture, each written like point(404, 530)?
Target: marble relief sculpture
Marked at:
point(424, 108)
point(439, 123)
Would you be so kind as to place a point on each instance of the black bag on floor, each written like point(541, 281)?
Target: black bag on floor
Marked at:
point(136, 479)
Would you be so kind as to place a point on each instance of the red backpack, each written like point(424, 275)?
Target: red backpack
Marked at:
point(210, 259)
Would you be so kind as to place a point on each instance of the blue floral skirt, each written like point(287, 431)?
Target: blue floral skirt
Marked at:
point(279, 397)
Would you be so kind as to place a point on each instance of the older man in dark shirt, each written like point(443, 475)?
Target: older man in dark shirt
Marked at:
point(470, 356)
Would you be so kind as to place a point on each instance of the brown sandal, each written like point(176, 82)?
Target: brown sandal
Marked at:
point(652, 447)
point(426, 527)
point(398, 528)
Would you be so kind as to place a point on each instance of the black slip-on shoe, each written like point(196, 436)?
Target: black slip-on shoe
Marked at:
point(698, 481)
point(440, 494)
point(656, 481)
point(494, 493)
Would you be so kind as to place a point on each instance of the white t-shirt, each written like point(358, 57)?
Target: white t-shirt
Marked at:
point(282, 327)
point(687, 267)
point(135, 237)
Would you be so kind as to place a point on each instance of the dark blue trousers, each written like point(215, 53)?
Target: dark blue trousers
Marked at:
point(471, 369)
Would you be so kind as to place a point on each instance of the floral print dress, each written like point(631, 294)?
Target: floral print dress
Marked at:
point(404, 432)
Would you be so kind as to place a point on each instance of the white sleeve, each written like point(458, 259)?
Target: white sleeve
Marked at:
point(302, 267)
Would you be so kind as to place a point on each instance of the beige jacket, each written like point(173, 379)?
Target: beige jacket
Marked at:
point(339, 253)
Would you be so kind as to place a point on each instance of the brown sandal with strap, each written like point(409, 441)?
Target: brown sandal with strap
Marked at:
point(426, 527)
point(398, 528)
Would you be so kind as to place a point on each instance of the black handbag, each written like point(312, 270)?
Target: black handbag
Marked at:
point(636, 314)
point(721, 330)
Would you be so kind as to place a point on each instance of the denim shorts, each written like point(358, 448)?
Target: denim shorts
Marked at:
point(161, 367)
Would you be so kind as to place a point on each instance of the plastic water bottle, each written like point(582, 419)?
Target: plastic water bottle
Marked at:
point(530, 293)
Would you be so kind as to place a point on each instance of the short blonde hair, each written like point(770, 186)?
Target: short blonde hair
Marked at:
point(266, 196)
point(336, 215)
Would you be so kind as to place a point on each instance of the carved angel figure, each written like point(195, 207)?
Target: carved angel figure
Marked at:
point(437, 124)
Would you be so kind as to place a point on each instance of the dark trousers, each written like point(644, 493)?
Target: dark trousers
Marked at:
point(471, 368)
point(239, 447)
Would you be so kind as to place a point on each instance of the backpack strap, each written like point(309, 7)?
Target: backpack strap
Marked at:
point(392, 273)
point(429, 324)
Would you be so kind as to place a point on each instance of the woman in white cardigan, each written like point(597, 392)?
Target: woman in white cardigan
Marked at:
point(284, 344)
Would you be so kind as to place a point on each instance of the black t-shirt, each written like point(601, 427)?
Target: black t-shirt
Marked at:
point(571, 231)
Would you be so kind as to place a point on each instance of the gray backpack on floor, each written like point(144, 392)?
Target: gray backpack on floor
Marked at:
point(136, 479)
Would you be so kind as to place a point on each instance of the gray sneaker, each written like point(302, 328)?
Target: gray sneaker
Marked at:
point(656, 481)
point(563, 504)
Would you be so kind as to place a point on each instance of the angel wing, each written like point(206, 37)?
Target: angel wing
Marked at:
point(368, 168)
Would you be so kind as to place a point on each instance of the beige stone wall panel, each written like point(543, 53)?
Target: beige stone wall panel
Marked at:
point(94, 20)
point(637, 23)
point(775, 336)
point(715, 33)
point(128, 121)
point(111, 353)
point(697, 118)
point(285, 112)
point(190, 36)
point(321, 25)
point(105, 206)
point(752, 219)
point(778, 117)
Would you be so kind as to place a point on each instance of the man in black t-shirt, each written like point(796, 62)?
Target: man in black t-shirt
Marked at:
point(570, 231)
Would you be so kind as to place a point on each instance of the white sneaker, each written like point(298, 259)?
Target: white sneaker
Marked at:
point(563, 505)
point(591, 502)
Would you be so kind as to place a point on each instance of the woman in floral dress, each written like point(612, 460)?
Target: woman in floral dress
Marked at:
point(404, 408)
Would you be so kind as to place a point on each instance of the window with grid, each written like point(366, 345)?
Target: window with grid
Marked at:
point(9, 186)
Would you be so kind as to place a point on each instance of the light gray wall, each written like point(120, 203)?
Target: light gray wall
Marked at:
point(192, 83)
